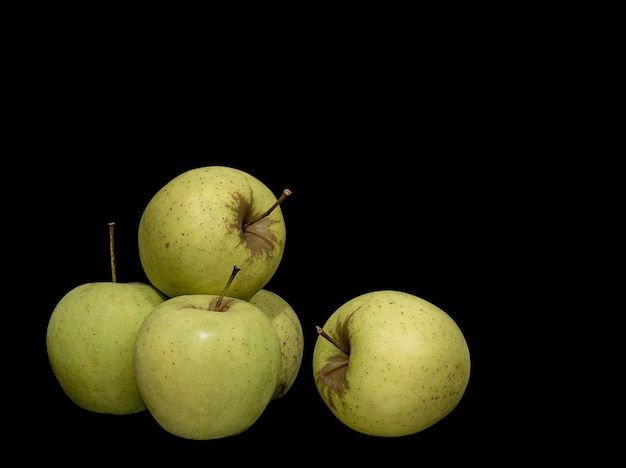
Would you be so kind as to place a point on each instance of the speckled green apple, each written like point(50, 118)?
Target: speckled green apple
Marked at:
point(90, 340)
point(206, 368)
point(390, 364)
point(289, 330)
point(204, 221)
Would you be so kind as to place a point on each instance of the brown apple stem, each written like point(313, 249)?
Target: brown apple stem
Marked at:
point(236, 270)
point(281, 199)
point(112, 252)
point(322, 333)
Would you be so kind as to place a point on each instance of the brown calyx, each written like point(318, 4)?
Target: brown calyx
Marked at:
point(256, 233)
point(332, 376)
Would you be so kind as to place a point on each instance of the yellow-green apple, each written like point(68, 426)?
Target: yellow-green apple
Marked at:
point(289, 330)
point(206, 365)
point(90, 339)
point(204, 221)
point(389, 364)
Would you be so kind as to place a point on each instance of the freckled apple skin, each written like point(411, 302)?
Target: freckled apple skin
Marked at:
point(90, 338)
point(206, 374)
point(191, 233)
point(290, 334)
point(409, 364)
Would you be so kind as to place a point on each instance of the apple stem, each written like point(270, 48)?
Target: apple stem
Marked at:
point(323, 334)
point(284, 195)
point(112, 251)
point(236, 270)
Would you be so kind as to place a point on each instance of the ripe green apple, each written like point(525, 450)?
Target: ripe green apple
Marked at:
point(289, 330)
point(206, 365)
point(204, 221)
point(90, 340)
point(389, 364)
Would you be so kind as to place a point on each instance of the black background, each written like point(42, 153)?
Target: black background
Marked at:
point(426, 171)
point(360, 220)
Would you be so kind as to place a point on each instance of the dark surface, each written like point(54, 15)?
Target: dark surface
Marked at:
point(448, 162)
point(354, 224)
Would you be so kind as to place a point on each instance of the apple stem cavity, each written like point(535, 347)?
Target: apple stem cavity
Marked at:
point(112, 252)
point(323, 334)
point(236, 270)
point(281, 199)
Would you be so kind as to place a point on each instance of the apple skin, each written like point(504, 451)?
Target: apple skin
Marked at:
point(203, 373)
point(191, 233)
point(408, 364)
point(289, 330)
point(90, 340)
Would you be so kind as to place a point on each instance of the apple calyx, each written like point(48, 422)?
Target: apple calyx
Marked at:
point(332, 376)
point(112, 251)
point(218, 305)
point(283, 196)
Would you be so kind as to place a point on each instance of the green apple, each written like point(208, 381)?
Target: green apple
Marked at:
point(204, 221)
point(388, 363)
point(90, 339)
point(289, 330)
point(206, 365)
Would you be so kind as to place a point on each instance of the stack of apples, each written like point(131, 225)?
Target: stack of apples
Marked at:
point(203, 347)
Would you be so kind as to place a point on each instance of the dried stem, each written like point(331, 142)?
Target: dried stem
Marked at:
point(236, 270)
point(323, 334)
point(112, 251)
point(284, 195)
